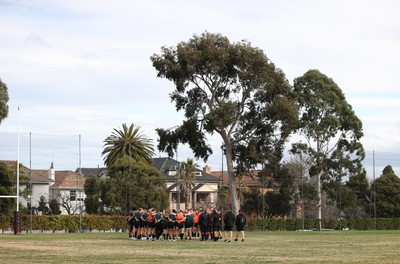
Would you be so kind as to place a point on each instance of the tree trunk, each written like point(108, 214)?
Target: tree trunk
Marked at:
point(186, 199)
point(235, 205)
point(319, 194)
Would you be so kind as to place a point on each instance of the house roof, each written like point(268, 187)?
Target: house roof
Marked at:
point(41, 176)
point(68, 180)
point(169, 166)
point(38, 176)
point(249, 180)
point(12, 165)
point(92, 171)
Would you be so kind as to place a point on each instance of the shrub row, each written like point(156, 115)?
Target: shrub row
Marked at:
point(312, 224)
point(68, 223)
point(72, 223)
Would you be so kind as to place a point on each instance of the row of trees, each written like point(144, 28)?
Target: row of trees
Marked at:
point(295, 196)
point(131, 184)
point(235, 91)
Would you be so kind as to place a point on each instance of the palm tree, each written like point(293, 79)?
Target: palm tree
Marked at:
point(127, 142)
point(187, 179)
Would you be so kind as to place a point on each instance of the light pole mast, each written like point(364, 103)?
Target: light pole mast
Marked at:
point(222, 178)
point(17, 214)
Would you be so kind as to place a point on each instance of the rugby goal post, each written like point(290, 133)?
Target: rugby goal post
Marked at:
point(17, 213)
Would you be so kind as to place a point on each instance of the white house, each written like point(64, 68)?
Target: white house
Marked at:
point(65, 186)
point(68, 189)
point(203, 194)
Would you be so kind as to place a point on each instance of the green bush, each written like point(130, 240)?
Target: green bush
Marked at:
point(71, 223)
point(57, 222)
point(105, 223)
point(91, 222)
point(5, 223)
point(119, 223)
point(42, 223)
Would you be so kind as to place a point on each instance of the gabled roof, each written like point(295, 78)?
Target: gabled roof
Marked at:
point(68, 180)
point(169, 166)
point(38, 176)
point(41, 176)
point(12, 165)
point(249, 180)
point(92, 171)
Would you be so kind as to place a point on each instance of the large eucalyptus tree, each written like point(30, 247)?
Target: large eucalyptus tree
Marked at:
point(231, 89)
point(331, 130)
point(3, 101)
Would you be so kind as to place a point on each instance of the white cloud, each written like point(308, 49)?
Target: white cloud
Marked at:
point(83, 67)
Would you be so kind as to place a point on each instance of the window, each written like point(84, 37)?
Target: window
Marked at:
point(171, 173)
point(182, 196)
point(202, 197)
point(72, 195)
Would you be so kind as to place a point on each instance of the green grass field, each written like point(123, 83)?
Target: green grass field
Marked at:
point(259, 247)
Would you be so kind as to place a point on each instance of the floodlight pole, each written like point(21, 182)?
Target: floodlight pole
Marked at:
point(178, 191)
point(222, 179)
point(373, 171)
point(79, 191)
point(262, 196)
point(302, 198)
point(30, 182)
point(17, 214)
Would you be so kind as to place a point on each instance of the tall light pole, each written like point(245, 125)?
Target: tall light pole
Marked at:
point(30, 181)
point(373, 171)
point(222, 178)
point(178, 191)
point(262, 196)
point(17, 214)
point(302, 197)
point(79, 189)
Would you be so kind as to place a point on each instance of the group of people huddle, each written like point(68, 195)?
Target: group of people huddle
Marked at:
point(203, 224)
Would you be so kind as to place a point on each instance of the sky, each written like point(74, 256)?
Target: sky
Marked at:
point(79, 69)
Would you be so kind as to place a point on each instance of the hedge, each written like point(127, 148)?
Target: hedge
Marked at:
point(271, 224)
point(88, 223)
point(68, 223)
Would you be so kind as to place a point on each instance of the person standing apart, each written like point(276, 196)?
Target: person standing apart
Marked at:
point(229, 222)
point(240, 225)
point(131, 220)
point(216, 225)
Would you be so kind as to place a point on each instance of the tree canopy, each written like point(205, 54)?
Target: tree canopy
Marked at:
point(3, 101)
point(92, 191)
point(134, 184)
point(331, 129)
point(128, 141)
point(187, 179)
point(6, 188)
point(387, 188)
point(231, 89)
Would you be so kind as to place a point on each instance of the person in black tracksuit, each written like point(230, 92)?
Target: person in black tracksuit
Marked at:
point(240, 222)
point(210, 220)
point(216, 224)
point(131, 220)
point(229, 222)
point(203, 223)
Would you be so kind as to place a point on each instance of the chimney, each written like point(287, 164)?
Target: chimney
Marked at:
point(52, 173)
point(207, 169)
